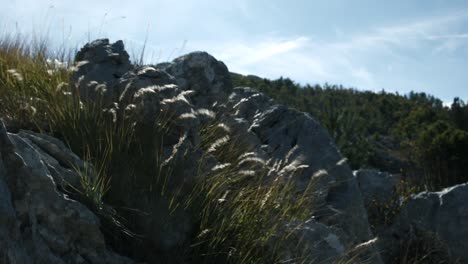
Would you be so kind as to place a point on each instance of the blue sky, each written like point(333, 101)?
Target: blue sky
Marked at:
point(399, 45)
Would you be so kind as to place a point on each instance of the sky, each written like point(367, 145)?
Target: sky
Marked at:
point(396, 46)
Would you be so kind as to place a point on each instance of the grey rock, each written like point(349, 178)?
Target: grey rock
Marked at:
point(443, 213)
point(246, 102)
point(376, 185)
point(98, 66)
point(39, 223)
point(100, 51)
point(324, 245)
point(62, 163)
point(295, 144)
point(12, 249)
point(141, 77)
point(202, 73)
point(380, 192)
point(151, 98)
point(323, 242)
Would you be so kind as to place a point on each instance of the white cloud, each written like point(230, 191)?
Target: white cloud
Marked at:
point(298, 57)
point(264, 50)
point(267, 56)
point(351, 59)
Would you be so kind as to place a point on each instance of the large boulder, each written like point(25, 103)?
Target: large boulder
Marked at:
point(376, 185)
point(195, 89)
point(380, 195)
point(159, 106)
point(39, 223)
point(443, 215)
point(304, 148)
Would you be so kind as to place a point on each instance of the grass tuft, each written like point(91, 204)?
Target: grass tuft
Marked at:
point(244, 205)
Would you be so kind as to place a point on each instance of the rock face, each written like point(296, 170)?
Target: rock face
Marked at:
point(376, 185)
point(293, 139)
point(428, 224)
point(38, 222)
point(381, 199)
point(150, 95)
point(443, 214)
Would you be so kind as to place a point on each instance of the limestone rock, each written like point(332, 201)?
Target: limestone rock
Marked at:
point(246, 102)
point(380, 195)
point(98, 66)
point(141, 77)
point(376, 185)
point(444, 214)
point(38, 222)
point(295, 143)
point(202, 73)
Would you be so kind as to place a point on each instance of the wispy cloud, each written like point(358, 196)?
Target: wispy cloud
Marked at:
point(352, 60)
point(261, 51)
point(369, 58)
point(267, 56)
point(409, 34)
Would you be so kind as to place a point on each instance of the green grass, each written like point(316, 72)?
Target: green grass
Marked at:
point(35, 94)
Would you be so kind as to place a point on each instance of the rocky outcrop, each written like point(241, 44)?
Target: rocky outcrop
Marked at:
point(39, 223)
point(196, 88)
point(153, 98)
point(293, 142)
point(380, 195)
point(427, 226)
point(376, 185)
point(442, 215)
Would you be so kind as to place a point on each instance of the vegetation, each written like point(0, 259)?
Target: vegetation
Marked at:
point(423, 247)
point(413, 134)
point(236, 206)
point(257, 203)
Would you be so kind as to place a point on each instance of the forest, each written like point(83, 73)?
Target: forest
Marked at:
point(413, 134)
